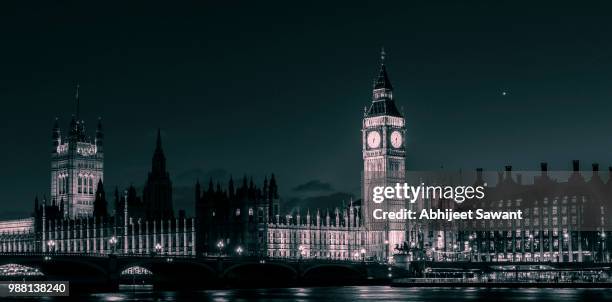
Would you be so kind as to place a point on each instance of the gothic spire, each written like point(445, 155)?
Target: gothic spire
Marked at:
point(230, 187)
point(159, 160)
point(382, 81)
point(78, 105)
point(56, 136)
point(382, 94)
point(99, 136)
point(100, 204)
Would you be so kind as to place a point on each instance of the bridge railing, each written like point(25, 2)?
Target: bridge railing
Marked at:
point(216, 258)
point(92, 254)
point(53, 254)
point(319, 260)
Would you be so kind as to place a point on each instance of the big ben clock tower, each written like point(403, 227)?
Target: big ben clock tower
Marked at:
point(384, 156)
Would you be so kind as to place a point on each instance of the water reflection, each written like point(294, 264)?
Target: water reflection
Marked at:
point(358, 293)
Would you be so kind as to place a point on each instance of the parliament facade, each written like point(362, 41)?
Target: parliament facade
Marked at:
point(76, 219)
point(565, 220)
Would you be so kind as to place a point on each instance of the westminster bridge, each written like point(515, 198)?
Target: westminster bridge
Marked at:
point(106, 272)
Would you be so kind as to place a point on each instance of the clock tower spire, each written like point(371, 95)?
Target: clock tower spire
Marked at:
point(383, 135)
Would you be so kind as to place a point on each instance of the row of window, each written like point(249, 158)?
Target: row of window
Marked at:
point(85, 184)
point(313, 237)
point(86, 165)
point(62, 184)
point(310, 254)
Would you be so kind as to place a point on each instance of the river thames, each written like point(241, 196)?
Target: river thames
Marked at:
point(355, 293)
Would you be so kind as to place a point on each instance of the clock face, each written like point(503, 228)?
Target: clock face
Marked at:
point(373, 139)
point(396, 139)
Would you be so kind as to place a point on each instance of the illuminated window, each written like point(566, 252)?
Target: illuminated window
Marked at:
point(91, 190)
point(65, 180)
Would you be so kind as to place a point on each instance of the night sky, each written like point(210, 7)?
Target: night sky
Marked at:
point(261, 87)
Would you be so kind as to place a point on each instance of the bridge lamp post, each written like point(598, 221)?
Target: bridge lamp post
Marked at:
point(239, 251)
point(531, 248)
point(301, 248)
point(470, 239)
point(386, 256)
point(113, 242)
point(363, 252)
point(603, 246)
point(158, 248)
point(220, 246)
point(51, 245)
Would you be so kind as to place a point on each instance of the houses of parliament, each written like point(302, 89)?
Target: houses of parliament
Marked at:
point(567, 221)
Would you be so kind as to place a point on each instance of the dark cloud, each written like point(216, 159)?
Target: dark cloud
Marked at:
point(314, 186)
point(330, 201)
point(190, 176)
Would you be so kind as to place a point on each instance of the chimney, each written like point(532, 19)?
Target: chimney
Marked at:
point(544, 168)
point(508, 172)
point(575, 165)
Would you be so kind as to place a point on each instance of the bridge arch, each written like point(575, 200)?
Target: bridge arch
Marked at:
point(255, 273)
point(19, 270)
point(135, 270)
point(333, 273)
point(173, 272)
point(60, 266)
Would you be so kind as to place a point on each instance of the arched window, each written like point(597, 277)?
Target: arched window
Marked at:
point(18, 270)
point(80, 184)
point(136, 270)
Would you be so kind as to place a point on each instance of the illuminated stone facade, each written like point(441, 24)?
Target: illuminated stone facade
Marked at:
point(77, 165)
point(17, 235)
point(384, 157)
point(340, 236)
point(564, 221)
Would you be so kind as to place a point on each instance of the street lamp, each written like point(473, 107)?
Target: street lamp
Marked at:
point(51, 245)
point(239, 251)
point(113, 242)
point(158, 248)
point(386, 255)
point(220, 246)
point(302, 251)
point(603, 246)
point(363, 252)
